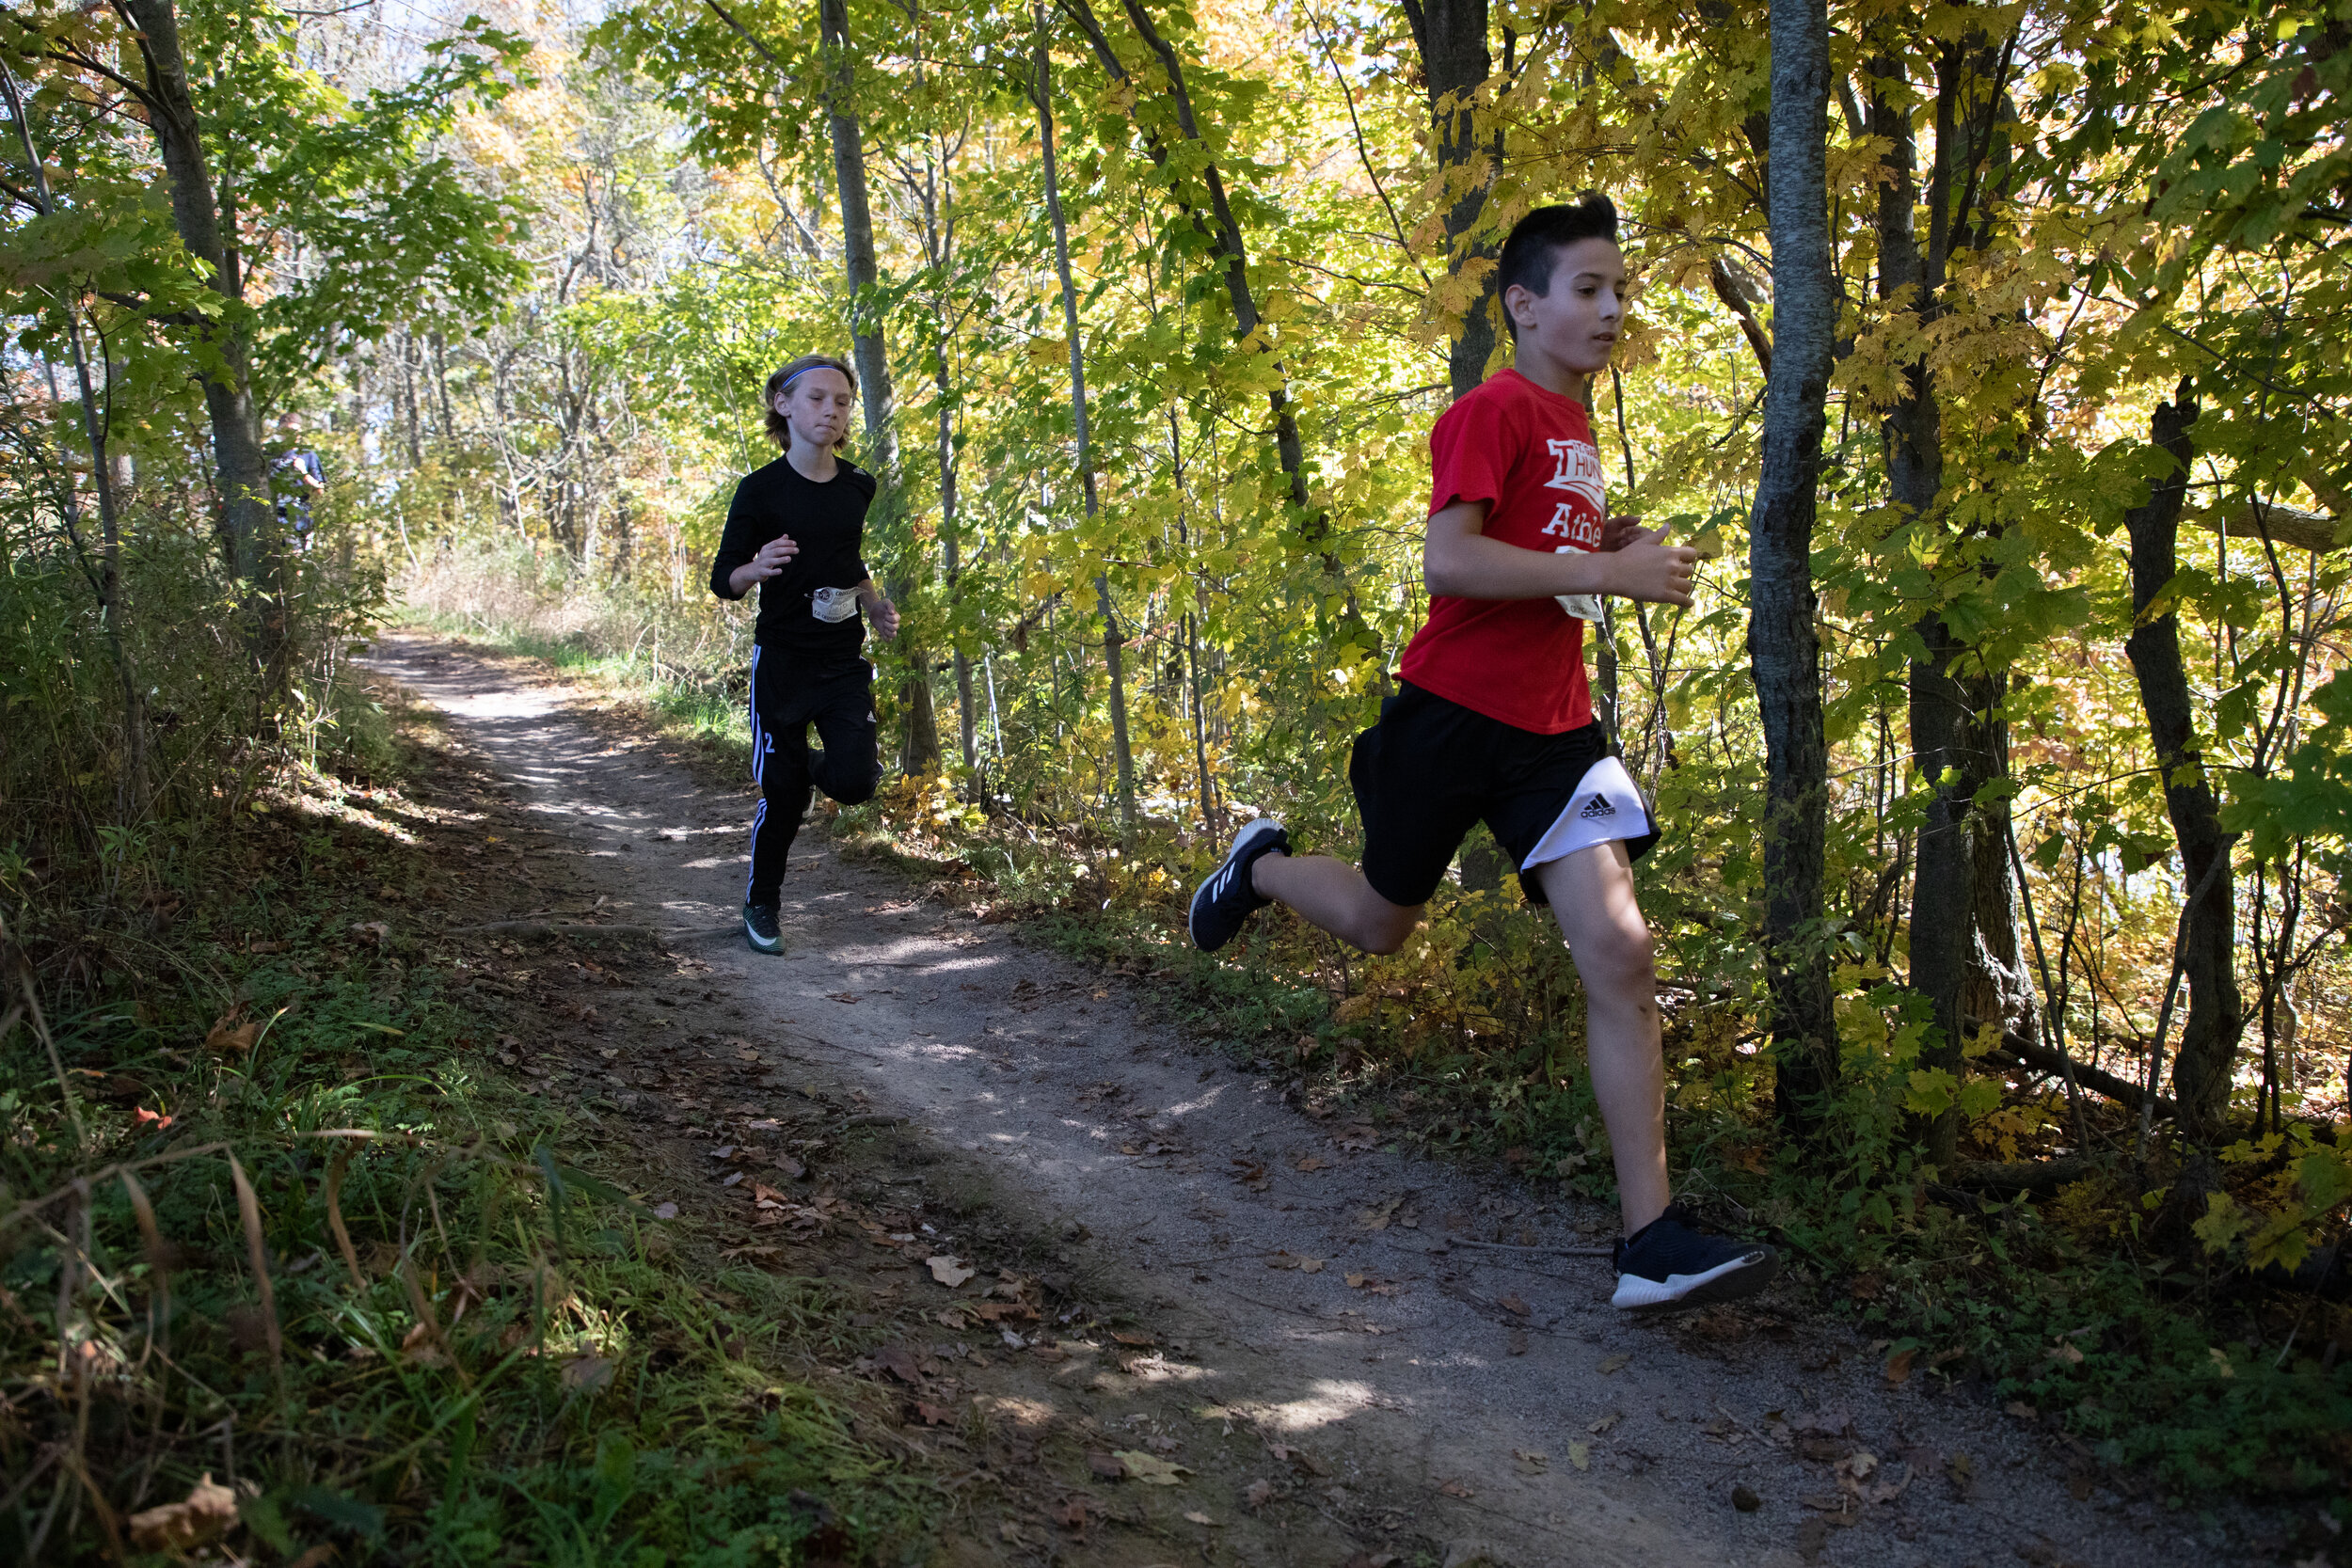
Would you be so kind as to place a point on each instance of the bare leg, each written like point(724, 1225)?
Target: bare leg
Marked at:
point(1334, 895)
point(1592, 895)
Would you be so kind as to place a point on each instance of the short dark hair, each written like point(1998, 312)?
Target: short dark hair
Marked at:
point(778, 431)
point(1533, 246)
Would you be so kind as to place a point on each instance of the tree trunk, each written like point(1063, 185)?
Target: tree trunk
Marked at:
point(246, 525)
point(1112, 641)
point(1964, 957)
point(918, 750)
point(2209, 1040)
point(951, 551)
point(1455, 62)
point(1783, 648)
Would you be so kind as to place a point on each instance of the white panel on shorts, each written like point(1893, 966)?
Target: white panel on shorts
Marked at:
point(1606, 805)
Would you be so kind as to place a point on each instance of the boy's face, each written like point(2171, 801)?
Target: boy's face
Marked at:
point(1576, 323)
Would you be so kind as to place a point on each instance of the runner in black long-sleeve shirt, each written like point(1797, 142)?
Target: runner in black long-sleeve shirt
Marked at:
point(795, 528)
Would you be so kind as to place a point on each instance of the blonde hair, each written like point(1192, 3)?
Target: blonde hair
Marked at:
point(779, 430)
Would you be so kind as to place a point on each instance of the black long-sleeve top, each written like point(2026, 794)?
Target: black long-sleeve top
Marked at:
point(828, 522)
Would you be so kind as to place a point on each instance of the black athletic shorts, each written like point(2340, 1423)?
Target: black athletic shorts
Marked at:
point(1430, 769)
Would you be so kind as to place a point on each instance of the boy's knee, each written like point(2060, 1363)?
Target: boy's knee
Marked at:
point(858, 790)
point(1626, 963)
point(1387, 930)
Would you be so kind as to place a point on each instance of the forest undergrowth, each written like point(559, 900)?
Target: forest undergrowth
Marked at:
point(291, 1262)
point(1468, 1046)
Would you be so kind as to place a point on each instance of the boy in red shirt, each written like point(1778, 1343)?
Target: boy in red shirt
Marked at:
point(1494, 721)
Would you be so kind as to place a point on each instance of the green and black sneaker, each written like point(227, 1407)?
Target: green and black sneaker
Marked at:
point(759, 924)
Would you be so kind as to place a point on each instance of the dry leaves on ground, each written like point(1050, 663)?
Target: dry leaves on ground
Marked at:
point(1615, 1363)
point(1149, 1469)
point(207, 1511)
point(948, 1272)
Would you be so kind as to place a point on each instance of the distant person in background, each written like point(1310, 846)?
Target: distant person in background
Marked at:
point(797, 528)
point(296, 476)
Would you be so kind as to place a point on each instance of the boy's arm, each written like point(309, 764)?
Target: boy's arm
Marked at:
point(1460, 560)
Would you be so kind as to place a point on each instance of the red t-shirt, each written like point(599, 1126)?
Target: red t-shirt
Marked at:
point(1528, 453)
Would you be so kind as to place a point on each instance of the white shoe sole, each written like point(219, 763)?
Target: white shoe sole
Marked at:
point(1742, 1276)
point(1262, 827)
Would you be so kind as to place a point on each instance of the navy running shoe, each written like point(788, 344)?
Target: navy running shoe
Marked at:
point(759, 924)
point(1670, 1263)
point(1227, 898)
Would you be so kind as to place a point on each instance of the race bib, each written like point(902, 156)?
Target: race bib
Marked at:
point(832, 605)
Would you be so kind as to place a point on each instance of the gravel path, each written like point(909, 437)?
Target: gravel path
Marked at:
point(1490, 1391)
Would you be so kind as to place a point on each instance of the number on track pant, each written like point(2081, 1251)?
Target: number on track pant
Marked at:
point(788, 694)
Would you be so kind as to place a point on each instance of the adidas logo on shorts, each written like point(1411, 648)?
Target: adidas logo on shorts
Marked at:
point(1598, 807)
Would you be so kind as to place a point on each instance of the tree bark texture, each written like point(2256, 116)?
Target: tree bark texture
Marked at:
point(1783, 648)
point(919, 750)
point(1113, 653)
point(1451, 35)
point(2209, 1039)
point(1964, 958)
point(247, 524)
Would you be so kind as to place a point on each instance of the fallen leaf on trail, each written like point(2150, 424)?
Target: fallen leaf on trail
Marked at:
point(762, 1193)
point(1897, 1367)
point(841, 996)
point(1607, 1422)
point(1516, 1342)
point(1150, 1470)
point(587, 1373)
point(934, 1415)
point(1580, 1455)
point(1377, 1216)
point(1613, 1364)
point(724, 1151)
point(1070, 1514)
point(1011, 1534)
point(1129, 1149)
point(948, 1272)
point(1311, 1265)
point(1109, 1466)
point(731, 1178)
point(793, 1170)
point(1252, 1174)
point(1013, 1341)
point(955, 1318)
point(1456, 1488)
point(1359, 1138)
point(229, 1039)
point(899, 1361)
point(1532, 1463)
point(1196, 1517)
point(1256, 1494)
point(2020, 1409)
point(665, 1211)
point(1745, 1499)
point(1514, 1304)
point(373, 932)
point(208, 1511)
point(1141, 1342)
point(1825, 1502)
point(1298, 1457)
point(1312, 1162)
point(2065, 1351)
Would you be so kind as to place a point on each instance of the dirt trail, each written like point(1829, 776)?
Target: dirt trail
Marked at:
point(1458, 1393)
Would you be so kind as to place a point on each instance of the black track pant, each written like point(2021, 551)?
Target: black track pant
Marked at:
point(788, 694)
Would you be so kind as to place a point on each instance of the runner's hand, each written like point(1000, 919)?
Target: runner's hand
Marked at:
point(769, 561)
point(885, 616)
point(1646, 568)
point(1617, 533)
